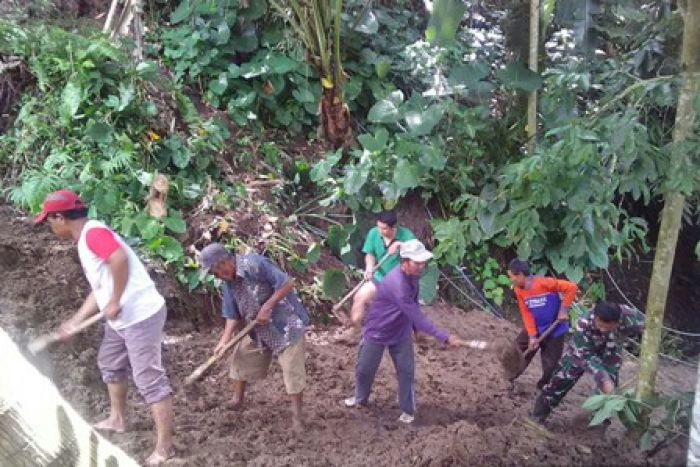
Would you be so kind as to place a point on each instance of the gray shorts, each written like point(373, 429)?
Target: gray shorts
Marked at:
point(139, 347)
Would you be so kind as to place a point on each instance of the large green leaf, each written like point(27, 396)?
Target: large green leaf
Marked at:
point(127, 92)
point(432, 158)
point(384, 111)
point(99, 132)
point(355, 178)
point(421, 123)
point(147, 70)
point(376, 142)
point(516, 76)
point(333, 284)
point(443, 24)
point(71, 97)
point(170, 249)
point(181, 13)
point(468, 74)
point(407, 174)
point(322, 169)
point(368, 23)
point(175, 224)
point(281, 64)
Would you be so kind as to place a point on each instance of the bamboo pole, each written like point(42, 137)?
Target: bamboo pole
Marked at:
point(672, 213)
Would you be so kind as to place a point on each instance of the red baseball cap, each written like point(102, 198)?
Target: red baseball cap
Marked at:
point(59, 201)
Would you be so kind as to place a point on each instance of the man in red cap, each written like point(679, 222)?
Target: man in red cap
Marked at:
point(134, 310)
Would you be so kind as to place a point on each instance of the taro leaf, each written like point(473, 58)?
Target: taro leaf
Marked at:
point(170, 249)
point(376, 142)
point(406, 175)
point(99, 132)
point(368, 23)
point(432, 158)
point(313, 254)
point(175, 224)
point(384, 111)
point(468, 74)
point(428, 285)
point(322, 169)
point(147, 71)
point(148, 227)
point(447, 14)
point(223, 33)
point(181, 12)
point(181, 158)
point(71, 98)
point(387, 110)
point(422, 123)
point(280, 64)
point(333, 283)
point(516, 76)
point(598, 253)
point(355, 179)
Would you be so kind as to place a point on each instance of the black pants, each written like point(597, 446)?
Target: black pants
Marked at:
point(550, 353)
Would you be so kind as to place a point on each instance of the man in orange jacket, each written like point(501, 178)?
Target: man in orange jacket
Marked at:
point(542, 301)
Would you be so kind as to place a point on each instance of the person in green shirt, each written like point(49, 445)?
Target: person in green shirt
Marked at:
point(384, 239)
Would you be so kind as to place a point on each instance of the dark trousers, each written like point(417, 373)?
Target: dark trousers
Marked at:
point(550, 353)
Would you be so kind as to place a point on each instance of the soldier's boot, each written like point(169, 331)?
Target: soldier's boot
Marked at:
point(541, 410)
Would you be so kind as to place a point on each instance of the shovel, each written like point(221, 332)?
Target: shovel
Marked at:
point(201, 369)
point(41, 342)
point(513, 360)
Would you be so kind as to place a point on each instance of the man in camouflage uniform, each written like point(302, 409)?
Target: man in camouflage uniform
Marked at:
point(596, 348)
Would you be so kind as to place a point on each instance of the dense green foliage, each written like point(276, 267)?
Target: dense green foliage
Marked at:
point(93, 124)
point(438, 110)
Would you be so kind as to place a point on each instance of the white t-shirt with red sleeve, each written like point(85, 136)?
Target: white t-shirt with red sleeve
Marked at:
point(140, 299)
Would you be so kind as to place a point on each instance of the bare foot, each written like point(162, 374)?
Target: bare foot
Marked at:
point(114, 424)
point(159, 456)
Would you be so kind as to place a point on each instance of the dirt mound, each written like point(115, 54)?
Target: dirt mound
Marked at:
point(466, 414)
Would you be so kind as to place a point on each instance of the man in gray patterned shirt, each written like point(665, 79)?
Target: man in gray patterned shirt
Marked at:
point(254, 289)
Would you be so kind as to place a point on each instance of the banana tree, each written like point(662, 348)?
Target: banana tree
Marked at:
point(317, 23)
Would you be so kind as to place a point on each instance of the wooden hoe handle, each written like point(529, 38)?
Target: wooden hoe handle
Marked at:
point(201, 369)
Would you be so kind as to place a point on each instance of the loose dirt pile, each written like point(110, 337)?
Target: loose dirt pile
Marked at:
point(466, 415)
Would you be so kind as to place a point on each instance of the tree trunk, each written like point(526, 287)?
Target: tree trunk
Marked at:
point(336, 123)
point(671, 215)
point(531, 128)
point(38, 427)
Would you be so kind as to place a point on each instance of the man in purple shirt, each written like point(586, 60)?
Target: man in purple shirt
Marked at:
point(390, 323)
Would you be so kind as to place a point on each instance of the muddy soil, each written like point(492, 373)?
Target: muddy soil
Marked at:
point(466, 415)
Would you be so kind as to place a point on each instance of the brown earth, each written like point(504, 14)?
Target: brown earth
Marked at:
point(466, 416)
